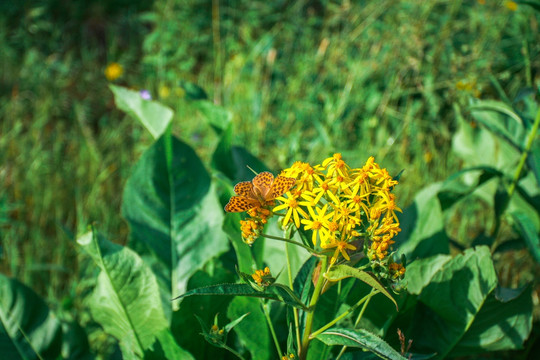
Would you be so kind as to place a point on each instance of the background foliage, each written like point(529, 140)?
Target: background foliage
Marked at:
point(288, 81)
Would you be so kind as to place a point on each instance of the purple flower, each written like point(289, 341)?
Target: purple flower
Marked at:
point(145, 94)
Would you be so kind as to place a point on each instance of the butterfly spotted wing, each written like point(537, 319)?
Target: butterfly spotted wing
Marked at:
point(241, 203)
point(281, 185)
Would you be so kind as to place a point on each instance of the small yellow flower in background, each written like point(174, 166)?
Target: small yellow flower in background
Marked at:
point(511, 5)
point(164, 91)
point(482, 2)
point(113, 71)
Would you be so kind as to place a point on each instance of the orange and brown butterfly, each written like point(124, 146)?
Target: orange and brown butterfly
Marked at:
point(259, 192)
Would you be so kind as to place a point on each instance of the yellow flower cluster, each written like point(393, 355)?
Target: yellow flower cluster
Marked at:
point(251, 228)
point(340, 205)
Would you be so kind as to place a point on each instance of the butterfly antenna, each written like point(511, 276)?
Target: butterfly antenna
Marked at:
point(256, 173)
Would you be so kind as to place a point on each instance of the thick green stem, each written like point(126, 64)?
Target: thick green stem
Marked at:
point(291, 285)
point(311, 312)
point(356, 322)
point(346, 313)
point(271, 327)
point(526, 152)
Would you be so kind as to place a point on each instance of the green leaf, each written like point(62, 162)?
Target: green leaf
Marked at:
point(501, 120)
point(253, 331)
point(173, 210)
point(233, 161)
point(451, 308)
point(504, 322)
point(126, 300)
point(420, 272)
point(154, 116)
point(533, 160)
point(525, 227)
point(340, 272)
point(422, 226)
point(360, 338)
point(28, 329)
point(478, 146)
point(277, 293)
point(454, 188)
point(218, 117)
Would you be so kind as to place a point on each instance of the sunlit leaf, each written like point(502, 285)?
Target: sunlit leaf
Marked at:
point(28, 329)
point(173, 210)
point(360, 338)
point(126, 300)
point(525, 227)
point(452, 316)
point(154, 116)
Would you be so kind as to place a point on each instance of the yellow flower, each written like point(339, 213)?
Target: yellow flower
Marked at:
point(396, 270)
point(113, 71)
point(293, 209)
point(318, 223)
point(164, 91)
point(511, 5)
point(341, 247)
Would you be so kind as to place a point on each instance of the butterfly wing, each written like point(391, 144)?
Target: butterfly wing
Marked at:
point(281, 185)
point(244, 189)
point(262, 184)
point(240, 203)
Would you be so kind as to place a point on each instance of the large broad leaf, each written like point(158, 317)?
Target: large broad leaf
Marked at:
point(454, 188)
point(28, 330)
point(501, 120)
point(154, 116)
point(529, 234)
point(451, 317)
point(261, 345)
point(422, 225)
point(340, 272)
point(275, 292)
point(126, 300)
point(173, 210)
point(360, 338)
point(478, 146)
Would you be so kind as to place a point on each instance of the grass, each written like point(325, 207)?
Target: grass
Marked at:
point(302, 80)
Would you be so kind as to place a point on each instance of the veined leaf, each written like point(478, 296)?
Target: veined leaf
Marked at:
point(126, 301)
point(28, 330)
point(259, 346)
point(173, 210)
point(272, 292)
point(528, 232)
point(154, 116)
point(360, 338)
point(339, 272)
point(456, 314)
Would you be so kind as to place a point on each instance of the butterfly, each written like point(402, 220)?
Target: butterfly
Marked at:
point(258, 192)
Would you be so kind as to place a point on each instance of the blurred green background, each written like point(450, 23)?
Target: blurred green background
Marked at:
point(301, 80)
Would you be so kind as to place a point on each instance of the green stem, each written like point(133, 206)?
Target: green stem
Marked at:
point(526, 152)
point(311, 312)
point(271, 326)
point(233, 351)
point(350, 310)
point(291, 285)
point(356, 322)
point(290, 242)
